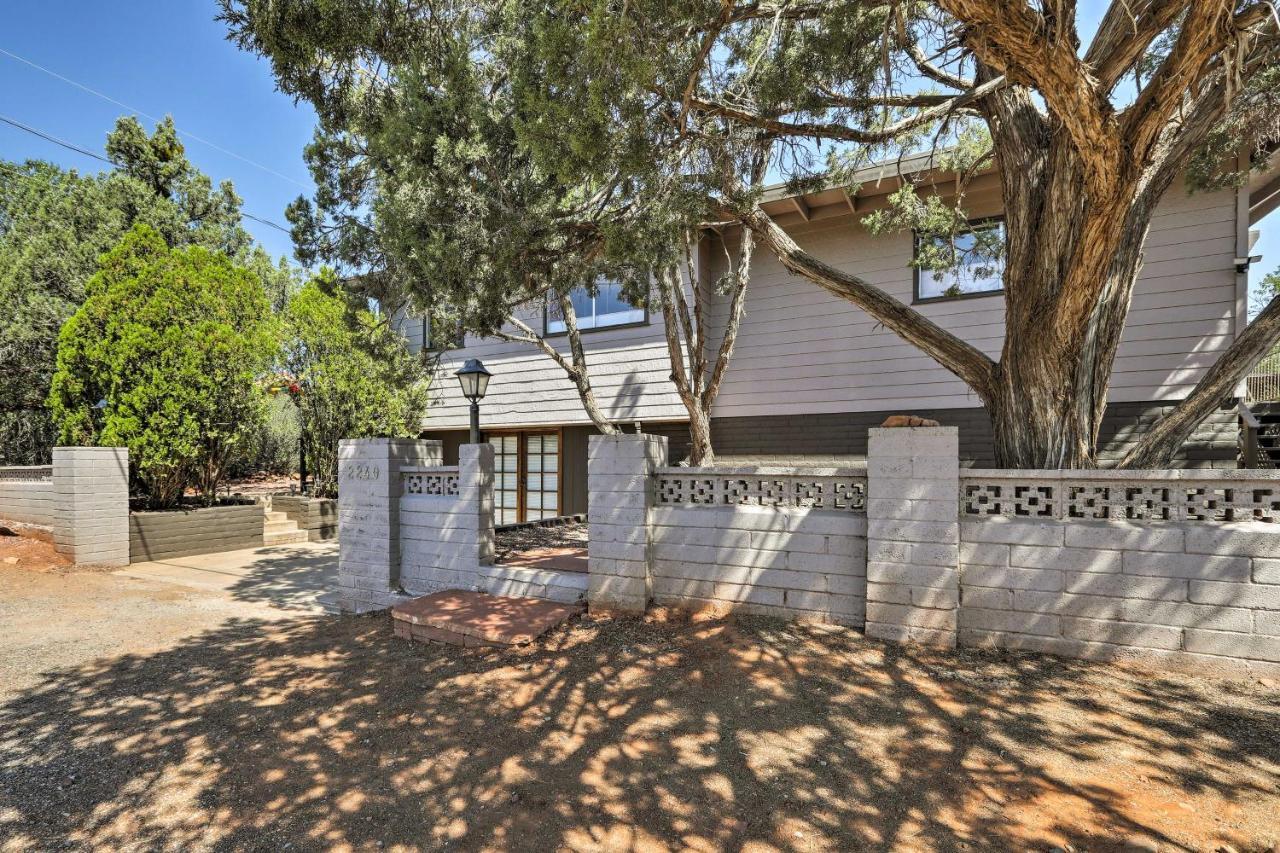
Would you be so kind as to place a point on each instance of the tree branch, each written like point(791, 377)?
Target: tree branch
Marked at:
point(737, 303)
point(1128, 27)
point(927, 68)
point(963, 359)
point(843, 132)
point(1009, 36)
point(576, 369)
point(1206, 31)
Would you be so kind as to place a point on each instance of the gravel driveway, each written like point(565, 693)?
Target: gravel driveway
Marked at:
point(137, 714)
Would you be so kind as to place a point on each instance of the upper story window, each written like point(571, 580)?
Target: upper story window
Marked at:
point(435, 338)
point(972, 262)
point(606, 308)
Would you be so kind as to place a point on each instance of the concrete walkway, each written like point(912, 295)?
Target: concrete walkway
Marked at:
point(289, 577)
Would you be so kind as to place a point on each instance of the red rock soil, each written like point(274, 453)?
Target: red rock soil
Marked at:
point(330, 733)
point(29, 547)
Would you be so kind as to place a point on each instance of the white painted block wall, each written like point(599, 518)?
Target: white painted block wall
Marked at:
point(778, 561)
point(446, 541)
point(370, 485)
point(620, 495)
point(91, 504)
point(913, 534)
point(1187, 593)
point(28, 502)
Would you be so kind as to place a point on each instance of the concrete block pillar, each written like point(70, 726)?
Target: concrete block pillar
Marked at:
point(91, 504)
point(475, 494)
point(913, 534)
point(619, 495)
point(369, 490)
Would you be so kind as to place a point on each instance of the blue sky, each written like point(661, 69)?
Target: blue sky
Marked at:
point(160, 57)
point(170, 57)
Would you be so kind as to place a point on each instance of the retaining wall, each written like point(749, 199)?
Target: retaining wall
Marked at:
point(26, 494)
point(317, 516)
point(206, 530)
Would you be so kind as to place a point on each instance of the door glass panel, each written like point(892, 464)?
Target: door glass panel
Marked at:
point(541, 482)
point(506, 481)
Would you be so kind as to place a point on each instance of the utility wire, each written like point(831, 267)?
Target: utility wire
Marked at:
point(55, 140)
point(123, 105)
point(86, 152)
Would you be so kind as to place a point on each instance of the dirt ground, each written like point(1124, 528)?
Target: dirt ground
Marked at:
point(135, 716)
point(30, 547)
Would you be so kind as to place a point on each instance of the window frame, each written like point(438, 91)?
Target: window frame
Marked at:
point(460, 342)
point(917, 299)
point(630, 324)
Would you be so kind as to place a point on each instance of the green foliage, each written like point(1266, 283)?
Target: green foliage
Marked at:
point(446, 177)
point(1251, 123)
point(1268, 289)
point(273, 447)
point(175, 341)
point(54, 225)
point(351, 375)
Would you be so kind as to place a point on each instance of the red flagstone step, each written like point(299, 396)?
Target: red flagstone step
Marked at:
point(464, 618)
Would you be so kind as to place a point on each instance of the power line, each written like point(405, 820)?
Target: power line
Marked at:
point(123, 105)
point(76, 148)
point(265, 222)
point(55, 140)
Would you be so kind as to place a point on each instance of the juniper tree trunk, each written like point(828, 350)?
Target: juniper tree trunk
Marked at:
point(1070, 267)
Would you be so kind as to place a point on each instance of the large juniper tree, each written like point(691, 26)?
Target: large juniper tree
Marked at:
point(433, 193)
point(1085, 139)
point(626, 99)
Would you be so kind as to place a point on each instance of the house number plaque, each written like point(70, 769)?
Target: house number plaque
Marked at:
point(360, 471)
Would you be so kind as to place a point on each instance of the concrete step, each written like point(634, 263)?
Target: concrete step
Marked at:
point(285, 526)
point(289, 538)
point(273, 515)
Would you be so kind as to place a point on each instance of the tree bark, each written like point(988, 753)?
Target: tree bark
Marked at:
point(698, 384)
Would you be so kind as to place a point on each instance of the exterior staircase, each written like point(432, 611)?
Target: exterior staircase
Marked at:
point(279, 529)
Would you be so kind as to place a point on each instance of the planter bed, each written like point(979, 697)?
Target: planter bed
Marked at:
point(317, 516)
point(205, 530)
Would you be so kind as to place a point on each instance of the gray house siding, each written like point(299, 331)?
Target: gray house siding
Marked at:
point(812, 372)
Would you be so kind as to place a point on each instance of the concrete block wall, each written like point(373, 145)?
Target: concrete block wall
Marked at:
point(913, 535)
point(620, 494)
point(27, 501)
point(446, 541)
point(1192, 593)
point(789, 562)
point(370, 486)
point(91, 504)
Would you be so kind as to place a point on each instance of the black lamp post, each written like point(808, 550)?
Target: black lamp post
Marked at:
point(475, 381)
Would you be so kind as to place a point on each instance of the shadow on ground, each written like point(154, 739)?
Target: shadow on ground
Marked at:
point(625, 735)
point(288, 577)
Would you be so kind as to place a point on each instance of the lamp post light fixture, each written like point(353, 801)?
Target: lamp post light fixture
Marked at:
point(475, 382)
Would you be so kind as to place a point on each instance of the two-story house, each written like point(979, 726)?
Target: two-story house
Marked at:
point(812, 372)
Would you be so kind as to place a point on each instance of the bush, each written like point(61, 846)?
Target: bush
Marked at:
point(175, 341)
point(352, 376)
point(273, 448)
